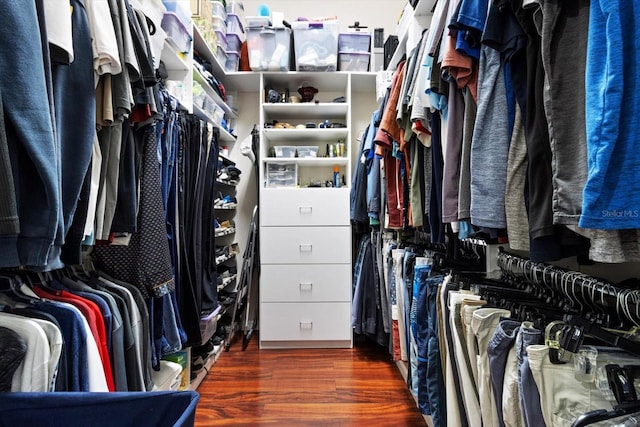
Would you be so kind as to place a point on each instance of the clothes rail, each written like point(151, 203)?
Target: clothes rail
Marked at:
point(582, 291)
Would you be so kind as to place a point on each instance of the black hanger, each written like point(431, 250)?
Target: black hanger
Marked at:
point(628, 408)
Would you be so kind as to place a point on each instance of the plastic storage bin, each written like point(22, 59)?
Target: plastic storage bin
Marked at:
point(177, 31)
point(258, 21)
point(316, 45)
point(285, 150)
point(354, 61)
point(282, 175)
point(233, 60)
point(269, 48)
point(181, 10)
point(218, 24)
point(234, 24)
point(307, 151)
point(221, 40)
point(354, 42)
point(219, 10)
point(234, 42)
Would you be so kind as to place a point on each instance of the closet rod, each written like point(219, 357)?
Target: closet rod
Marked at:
point(577, 287)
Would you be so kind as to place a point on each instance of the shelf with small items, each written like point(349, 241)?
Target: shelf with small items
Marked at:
point(225, 231)
point(199, 76)
point(226, 281)
point(225, 136)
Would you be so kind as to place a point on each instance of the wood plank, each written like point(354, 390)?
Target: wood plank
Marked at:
point(306, 387)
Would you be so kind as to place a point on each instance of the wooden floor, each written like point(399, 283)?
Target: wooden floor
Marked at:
point(327, 387)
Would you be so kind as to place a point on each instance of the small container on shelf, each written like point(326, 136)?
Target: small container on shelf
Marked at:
point(219, 10)
point(282, 174)
point(234, 24)
point(234, 42)
point(233, 59)
point(219, 24)
point(284, 150)
point(180, 9)
point(357, 41)
point(236, 8)
point(354, 61)
point(316, 45)
point(307, 151)
point(221, 54)
point(177, 31)
point(268, 48)
point(258, 21)
point(221, 40)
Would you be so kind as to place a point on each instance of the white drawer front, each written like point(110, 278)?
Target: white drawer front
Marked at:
point(305, 321)
point(310, 206)
point(303, 283)
point(305, 245)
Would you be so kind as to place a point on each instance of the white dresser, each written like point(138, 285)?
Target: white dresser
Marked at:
point(305, 232)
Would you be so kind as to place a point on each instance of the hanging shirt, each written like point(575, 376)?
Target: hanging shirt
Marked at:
point(611, 196)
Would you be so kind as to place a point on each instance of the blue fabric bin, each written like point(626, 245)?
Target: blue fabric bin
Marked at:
point(121, 409)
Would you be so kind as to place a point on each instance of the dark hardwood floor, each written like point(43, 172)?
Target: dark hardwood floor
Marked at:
point(303, 387)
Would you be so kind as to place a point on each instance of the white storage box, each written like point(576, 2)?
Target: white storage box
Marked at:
point(268, 48)
point(316, 45)
point(177, 31)
point(307, 151)
point(354, 61)
point(356, 41)
point(285, 150)
point(282, 175)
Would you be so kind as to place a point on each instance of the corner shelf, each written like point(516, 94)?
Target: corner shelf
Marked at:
point(224, 134)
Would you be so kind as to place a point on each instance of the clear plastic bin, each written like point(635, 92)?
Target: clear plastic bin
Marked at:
point(354, 42)
point(177, 32)
point(234, 24)
point(285, 150)
point(221, 40)
point(233, 42)
point(219, 10)
point(316, 45)
point(269, 48)
point(233, 60)
point(307, 151)
point(354, 61)
point(218, 24)
point(181, 10)
point(258, 21)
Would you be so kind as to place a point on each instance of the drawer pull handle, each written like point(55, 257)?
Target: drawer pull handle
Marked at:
point(306, 286)
point(306, 325)
point(306, 247)
point(305, 209)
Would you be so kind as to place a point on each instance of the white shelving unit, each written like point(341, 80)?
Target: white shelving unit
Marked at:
point(305, 252)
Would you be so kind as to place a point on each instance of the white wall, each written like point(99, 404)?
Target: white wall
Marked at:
point(370, 13)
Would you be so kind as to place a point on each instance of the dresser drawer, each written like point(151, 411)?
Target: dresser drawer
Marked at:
point(300, 206)
point(305, 283)
point(305, 321)
point(305, 245)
